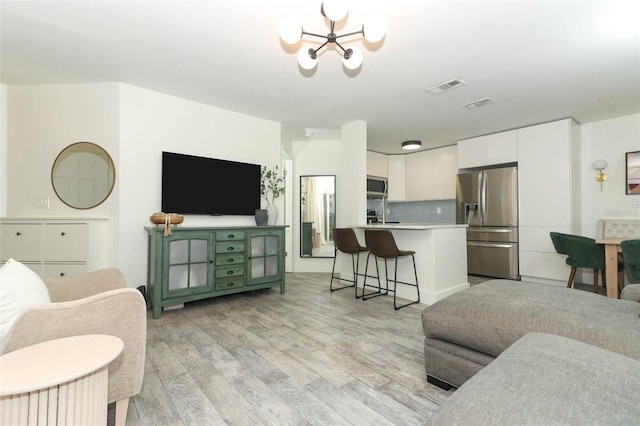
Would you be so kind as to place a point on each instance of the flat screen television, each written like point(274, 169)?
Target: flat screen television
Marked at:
point(209, 186)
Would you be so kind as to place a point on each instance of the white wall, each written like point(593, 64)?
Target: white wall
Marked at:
point(3, 150)
point(152, 122)
point(347, 160)
point(42, 120)
point(608, 140)
point(317, 157)
point(134, 125)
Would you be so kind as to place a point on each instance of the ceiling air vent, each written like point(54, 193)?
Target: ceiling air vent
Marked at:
point(443, 87)
point(479, 103)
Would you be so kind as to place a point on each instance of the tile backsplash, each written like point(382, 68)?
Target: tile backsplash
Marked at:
point(432, 211)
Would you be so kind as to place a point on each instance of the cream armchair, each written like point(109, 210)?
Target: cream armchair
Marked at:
point(95, 303)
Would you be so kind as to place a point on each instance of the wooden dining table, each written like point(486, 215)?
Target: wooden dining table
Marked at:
point(611, 250)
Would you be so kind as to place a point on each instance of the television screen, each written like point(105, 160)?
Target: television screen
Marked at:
point(209, 186)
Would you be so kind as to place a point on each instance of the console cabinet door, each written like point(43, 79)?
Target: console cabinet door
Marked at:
point(265, 259)
point(187, 264)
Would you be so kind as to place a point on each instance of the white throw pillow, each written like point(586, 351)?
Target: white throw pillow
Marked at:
point(20, 288)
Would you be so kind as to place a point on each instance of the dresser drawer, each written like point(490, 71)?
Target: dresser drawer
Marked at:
point(59, 271)
point(229, 283)
point(229, 259)
point(232, 271)
point(65, 242)
point(229, 236)
point(21, 241)
point(230, 247)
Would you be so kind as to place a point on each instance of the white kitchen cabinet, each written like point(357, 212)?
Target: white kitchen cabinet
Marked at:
point(547, 168)
point(376, 164)
point(51, 248)
point(397, 177)
point(431, 175)
point(497, 148)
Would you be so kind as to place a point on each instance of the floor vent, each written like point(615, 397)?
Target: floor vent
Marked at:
point(443, 87)
point(479, 103)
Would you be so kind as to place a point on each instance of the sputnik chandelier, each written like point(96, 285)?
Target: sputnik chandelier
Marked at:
point(291, 31)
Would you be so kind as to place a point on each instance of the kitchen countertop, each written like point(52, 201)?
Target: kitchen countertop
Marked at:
point(411, 226)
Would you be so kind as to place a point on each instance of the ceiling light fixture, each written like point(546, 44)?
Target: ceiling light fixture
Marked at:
point(411, 145)
point(291, 31)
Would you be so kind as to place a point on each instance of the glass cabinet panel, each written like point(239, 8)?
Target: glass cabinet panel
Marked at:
point(188, 263)
point(264, 262)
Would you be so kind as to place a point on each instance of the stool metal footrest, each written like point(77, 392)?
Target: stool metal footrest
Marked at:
point(395, 282)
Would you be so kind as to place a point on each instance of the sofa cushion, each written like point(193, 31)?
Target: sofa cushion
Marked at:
point(544, 379)
point(491, 316)
point(20, 288)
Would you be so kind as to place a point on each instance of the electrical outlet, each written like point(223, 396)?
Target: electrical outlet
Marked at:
point(41, 202)
point(438, 210)
point(635, 204)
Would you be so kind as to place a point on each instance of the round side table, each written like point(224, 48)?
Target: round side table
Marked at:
point(63, 381)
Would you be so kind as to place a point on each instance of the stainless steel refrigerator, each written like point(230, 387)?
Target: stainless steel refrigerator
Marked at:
point(487, 200)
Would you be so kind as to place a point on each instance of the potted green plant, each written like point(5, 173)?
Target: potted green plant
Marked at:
point(271, 188)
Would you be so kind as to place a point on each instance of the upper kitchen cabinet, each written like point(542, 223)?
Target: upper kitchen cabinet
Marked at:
point(431, 175)
point(498, 148)
point(396, 169)
point(376, 164)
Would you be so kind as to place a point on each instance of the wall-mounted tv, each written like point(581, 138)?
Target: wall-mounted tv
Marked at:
point(209, 186)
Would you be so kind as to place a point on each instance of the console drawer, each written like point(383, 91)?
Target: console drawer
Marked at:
point(229, 236)
point(229, 259)
point(232, 271)
point(229, 283)
point(230, 247)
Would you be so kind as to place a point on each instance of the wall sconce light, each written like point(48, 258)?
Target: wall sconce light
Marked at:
point(600, 165)
point(411, 145)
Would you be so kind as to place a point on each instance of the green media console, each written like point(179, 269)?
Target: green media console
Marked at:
point(199, 263)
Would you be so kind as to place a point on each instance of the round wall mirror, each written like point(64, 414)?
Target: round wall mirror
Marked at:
point(83, 175)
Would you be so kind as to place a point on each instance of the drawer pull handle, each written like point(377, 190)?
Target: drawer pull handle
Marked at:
point(230, 248)
point(229, 272)
point(229, 260)
point(231, 236)
point(18, 233)
point(229, 284)
point(62, 274)
point(63, 233)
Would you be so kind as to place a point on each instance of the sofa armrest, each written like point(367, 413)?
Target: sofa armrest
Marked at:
point(85, 285)
point(631, 292)
point(121, 313)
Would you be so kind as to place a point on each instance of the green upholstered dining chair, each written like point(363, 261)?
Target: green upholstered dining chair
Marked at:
point(582, 252)
point(631, 257)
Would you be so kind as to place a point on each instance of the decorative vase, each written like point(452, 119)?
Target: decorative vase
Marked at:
point(261, 217)
point(272, 211)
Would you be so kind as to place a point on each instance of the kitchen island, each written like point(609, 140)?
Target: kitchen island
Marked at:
point(441, 259)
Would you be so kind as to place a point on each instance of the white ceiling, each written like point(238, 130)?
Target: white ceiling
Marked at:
point(540, 60)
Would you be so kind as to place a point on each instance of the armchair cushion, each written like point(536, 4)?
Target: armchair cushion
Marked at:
point(119, 312)
point(20, 288)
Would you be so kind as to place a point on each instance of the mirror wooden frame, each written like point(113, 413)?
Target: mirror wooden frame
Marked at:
point(83, 175)
point(317, 241)
point(632, 173)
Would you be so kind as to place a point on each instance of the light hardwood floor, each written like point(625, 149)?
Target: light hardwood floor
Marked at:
point(308, 357)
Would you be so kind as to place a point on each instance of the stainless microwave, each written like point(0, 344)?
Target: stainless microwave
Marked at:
point(377, 186)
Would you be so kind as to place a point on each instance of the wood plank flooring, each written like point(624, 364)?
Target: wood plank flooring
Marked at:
point(308, 357)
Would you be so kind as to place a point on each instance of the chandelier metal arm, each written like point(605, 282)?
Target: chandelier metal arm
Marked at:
point(350, 34)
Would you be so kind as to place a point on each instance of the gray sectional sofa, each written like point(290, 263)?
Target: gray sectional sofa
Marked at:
point(467, 330)
point(524, 353)
point(544, 379)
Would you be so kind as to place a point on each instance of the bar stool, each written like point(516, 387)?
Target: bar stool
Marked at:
point(345, 241)
point(381, 244)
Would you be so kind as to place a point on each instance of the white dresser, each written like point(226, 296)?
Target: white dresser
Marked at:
point(50, 247)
